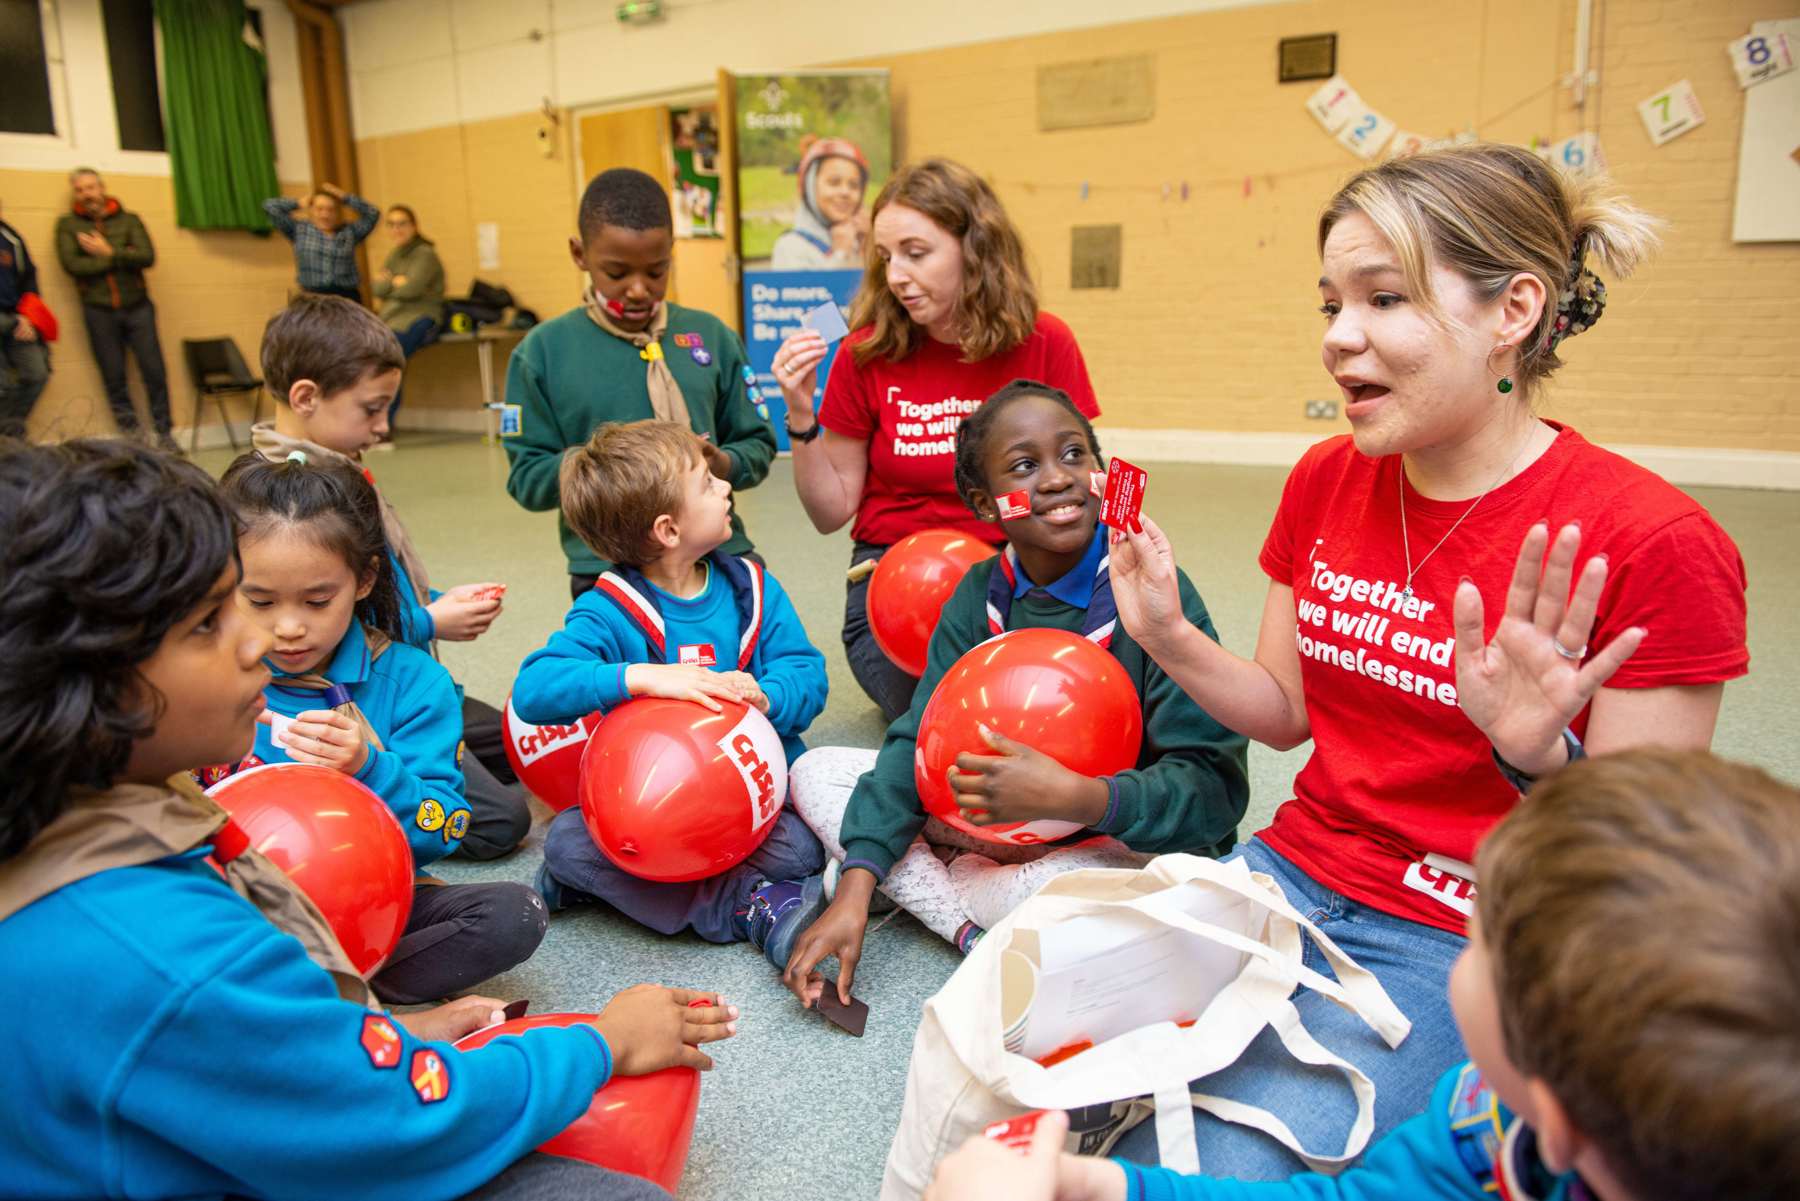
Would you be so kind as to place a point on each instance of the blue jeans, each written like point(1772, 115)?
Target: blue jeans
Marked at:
point(413, 338)
point(1411, 960)
point(791, 852)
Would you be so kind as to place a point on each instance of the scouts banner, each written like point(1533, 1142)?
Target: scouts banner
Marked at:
point(812, 151)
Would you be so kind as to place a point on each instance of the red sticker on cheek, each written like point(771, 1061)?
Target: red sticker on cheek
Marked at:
point(1096, 483)
point(1013, 505)
point(616, 307)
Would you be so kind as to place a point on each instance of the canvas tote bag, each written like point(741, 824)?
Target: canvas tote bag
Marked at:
point(962, 1077)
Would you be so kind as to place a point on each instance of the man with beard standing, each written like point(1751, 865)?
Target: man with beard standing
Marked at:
point(107, 250)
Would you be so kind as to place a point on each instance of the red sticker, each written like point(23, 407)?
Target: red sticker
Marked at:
point(430, 1075)
point(381, 1042)
point(491, 592)
point(1013, 505)
point(696, 654)
point(1015, 1132)
point(1124, 497)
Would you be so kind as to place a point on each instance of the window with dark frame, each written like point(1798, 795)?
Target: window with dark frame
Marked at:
point(25, 105)
point(131, 54)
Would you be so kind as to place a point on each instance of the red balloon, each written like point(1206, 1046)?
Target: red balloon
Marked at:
point(671, 790)
point(641, 1125)
point(338, 841)
point(910, 585)
point(547, 758)
point(1051, 690)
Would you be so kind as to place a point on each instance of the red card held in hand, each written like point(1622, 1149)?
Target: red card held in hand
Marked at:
point(1124, 497)
point(1015, 1132)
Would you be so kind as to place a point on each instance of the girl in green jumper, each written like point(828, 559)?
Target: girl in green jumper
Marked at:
point(1187, 792)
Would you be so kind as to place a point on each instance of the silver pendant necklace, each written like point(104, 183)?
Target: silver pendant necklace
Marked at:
point(1406, 543)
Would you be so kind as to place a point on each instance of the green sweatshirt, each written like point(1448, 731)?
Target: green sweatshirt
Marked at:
point(114, 281)
point(422, 295)
point(1188, 791)
point(568, 376)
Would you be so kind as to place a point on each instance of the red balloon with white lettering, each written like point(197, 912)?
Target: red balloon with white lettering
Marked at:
point(640, 1125)
point(672, 791)
point(547, 758)
point(335, 839)
point(1053, 691)
point(910, 585)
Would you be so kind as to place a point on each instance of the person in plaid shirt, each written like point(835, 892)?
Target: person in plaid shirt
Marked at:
point(325, 250)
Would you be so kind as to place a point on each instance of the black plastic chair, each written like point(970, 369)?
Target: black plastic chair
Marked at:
point(217, 368)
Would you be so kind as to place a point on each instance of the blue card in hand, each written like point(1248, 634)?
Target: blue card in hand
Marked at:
point(828, 319)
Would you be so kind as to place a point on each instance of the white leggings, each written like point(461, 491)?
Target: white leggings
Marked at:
point(982, 883)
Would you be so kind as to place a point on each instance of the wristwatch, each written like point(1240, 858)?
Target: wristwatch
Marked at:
point(1524, 780)
point(796, 436)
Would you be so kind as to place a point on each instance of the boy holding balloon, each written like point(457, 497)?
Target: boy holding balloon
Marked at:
point(1025, 459)
point(677, 618)
point(183, 1023)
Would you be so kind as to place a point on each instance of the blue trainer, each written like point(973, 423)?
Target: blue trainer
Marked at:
point(780, 911)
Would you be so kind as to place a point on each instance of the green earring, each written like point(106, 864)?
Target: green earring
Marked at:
point(1505, 384)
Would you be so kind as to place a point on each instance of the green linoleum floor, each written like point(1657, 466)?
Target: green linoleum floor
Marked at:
point(796, 1108)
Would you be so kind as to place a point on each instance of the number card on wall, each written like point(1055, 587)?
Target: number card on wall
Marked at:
point(1760, 56)
point(1365, 133)
point(1333, 105)
point(1579, 155)
point(1406, 142)
point(1671, 112)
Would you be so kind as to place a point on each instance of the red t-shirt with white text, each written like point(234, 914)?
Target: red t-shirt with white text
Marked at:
point(1401, 786)
point(908, 411)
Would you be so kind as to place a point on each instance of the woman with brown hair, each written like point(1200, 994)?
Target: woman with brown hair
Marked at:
point(1428, 625)
point(410, 289)
point(946, 315)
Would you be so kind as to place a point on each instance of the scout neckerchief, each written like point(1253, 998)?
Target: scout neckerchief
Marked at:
point(276, 447)
point(1097, 625)
point(129, 825)
point(337, 696)
point(635, 596)
point(666, 401)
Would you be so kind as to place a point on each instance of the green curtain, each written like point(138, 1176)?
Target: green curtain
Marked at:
point(215, 102)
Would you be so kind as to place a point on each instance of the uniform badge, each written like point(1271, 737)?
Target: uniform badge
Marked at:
point(431, 816)
point(696, 654)
point(461, 746)
point(381, 1042)
point(512, 421)
point(458, 826)
point(702, 356)
point(430, 1075)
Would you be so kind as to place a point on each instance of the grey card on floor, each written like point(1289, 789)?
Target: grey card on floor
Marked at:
point(828, 319)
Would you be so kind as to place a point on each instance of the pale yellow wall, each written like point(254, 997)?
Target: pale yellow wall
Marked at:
point(1215, 326)
point(205, 285)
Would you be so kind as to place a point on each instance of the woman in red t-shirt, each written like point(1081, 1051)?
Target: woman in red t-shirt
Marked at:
point(1414, 629)
point(946, 316)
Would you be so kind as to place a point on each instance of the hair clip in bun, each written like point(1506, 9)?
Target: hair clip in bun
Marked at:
point(297, 456)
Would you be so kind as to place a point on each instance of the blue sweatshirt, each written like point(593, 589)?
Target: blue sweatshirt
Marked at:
point(163, 1039)
point(413, 706)
point(582, 669)
point(416, 622)
point(1459, 1149)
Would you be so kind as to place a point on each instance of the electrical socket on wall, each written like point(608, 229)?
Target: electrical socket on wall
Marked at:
point(1321, 410)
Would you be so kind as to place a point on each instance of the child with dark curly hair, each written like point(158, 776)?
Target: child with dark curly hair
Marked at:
point(351, 695)
point(1186, 792)
point(177, 1029)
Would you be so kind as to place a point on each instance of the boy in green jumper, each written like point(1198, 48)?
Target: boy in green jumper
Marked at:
point(1187, 791)
point(625, 356)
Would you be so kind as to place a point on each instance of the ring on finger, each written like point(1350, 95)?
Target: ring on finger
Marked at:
point(1575, 656)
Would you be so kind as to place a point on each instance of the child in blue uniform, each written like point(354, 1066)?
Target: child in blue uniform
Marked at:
point(1025, 460)
point(331, 366)
point(1627, 998)
point(677, 617)
point(349, 695)
point(176, 1030)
